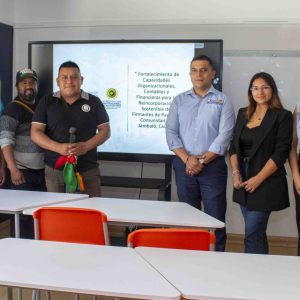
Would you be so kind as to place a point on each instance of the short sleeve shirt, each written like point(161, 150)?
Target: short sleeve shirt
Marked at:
point(85, 114)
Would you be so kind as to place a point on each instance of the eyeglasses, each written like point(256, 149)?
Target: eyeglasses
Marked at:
point(264, 88)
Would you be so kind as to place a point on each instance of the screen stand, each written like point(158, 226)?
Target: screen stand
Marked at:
point(162, 185)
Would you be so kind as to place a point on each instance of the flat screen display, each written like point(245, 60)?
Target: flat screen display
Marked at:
point(135, 80)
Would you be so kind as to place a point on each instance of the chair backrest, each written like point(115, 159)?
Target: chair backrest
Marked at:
point(176, 238)
point(67, 224)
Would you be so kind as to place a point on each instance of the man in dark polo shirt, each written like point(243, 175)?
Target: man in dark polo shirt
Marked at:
point(71, 107)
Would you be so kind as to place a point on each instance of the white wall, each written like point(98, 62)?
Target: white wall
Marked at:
point(113, 12)
point(72, 20)
point(7, 12)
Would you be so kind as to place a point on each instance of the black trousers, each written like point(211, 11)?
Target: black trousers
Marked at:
point(297, 199)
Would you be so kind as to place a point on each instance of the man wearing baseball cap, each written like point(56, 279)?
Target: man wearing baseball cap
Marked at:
point(25, 73)
point(24, 159)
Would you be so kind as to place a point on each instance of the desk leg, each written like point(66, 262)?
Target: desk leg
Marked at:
point(17, 225)
point(9, 293)
point(17, 235)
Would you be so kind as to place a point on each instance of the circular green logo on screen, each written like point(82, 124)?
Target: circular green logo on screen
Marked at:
point(112, 93)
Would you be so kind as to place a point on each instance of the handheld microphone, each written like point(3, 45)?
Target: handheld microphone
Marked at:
point(72, 137)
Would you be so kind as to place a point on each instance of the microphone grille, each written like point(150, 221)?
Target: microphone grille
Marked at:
point(72, 130)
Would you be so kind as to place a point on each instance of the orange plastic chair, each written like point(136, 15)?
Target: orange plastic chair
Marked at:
point(67, 224)
point(176, 238)
point(74, 225)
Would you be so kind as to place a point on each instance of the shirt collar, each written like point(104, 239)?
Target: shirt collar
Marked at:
point(211, 90)
point(84, 95)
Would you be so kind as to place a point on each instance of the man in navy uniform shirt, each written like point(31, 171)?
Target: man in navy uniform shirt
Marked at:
point(71, 107)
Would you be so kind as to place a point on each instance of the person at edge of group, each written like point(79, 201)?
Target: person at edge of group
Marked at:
point(24, 159)
point(199, 128)
point(260, 146)
point(56, 114)
point(2, 169)
point(294, 161)
point(2, 181)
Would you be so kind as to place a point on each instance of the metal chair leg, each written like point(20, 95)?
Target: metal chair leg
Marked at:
point(34, 293)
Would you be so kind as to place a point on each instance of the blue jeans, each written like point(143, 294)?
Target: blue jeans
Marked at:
point(256, 223)
point(34, 181)
point(208, 187)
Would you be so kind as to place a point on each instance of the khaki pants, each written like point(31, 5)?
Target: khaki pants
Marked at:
point(55, 181)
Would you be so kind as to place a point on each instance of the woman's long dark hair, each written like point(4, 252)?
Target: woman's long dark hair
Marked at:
point(274, 103)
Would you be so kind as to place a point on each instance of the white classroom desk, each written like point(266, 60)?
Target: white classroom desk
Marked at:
point(147, 212)
point(78, 268)
point(14, 202)
point(215, 276)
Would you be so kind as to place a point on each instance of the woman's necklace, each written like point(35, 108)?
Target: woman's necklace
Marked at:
point(257, 116)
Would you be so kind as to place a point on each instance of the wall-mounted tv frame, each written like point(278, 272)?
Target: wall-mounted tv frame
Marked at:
point(135, 79)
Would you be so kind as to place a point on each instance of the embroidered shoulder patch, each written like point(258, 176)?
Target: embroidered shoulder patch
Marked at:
point(85, 108)
point(215, 100)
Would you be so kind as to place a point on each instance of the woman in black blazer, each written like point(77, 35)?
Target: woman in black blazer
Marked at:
point(260, 146)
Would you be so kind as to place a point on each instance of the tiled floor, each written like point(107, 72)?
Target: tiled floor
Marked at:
point(277, 245)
